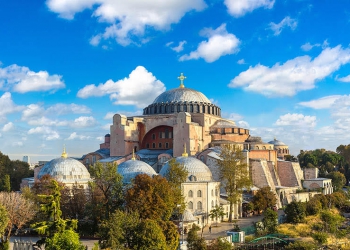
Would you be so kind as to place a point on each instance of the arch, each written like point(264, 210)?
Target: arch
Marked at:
point(199, 205)
point(190, 205)
point(190, 193)
point(199, 193)
point(212, 204)
point(163, 137)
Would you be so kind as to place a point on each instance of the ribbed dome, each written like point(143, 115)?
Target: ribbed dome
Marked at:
point(224, 124)
point(65, 170)
point(181, 95)
point(277, 143)
point(197, 170)
point(131, 168)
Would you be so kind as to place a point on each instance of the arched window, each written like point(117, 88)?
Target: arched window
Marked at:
point(199, 193)
point(153, 136)
point(160, 145)
point(190, 193)
point(212, 192)
point(190, 205)
point(212, 204)
point(147, 145)
point(199, 205)
point(153, 145)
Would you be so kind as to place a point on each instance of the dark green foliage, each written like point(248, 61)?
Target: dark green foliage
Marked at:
point(320, 237)
point(338, 180)
point(301, 245)
point(264, 199)
point(5, 183)
point(171, 234)
point(149, 235)
point(314, 206)
point(3, 219)
point(270, 221)
point(331, 221)
point(295, 212)
point(5, 245)
point(194, 242)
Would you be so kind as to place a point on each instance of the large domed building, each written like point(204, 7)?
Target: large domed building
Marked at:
point(67, 170)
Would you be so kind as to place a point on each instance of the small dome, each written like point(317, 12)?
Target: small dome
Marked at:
point(277, 143)
point(65, 170)
point(255, 139)
point(224, 124)
point(197, 170)
point(131, 168)
point(181, 95)
point(107, 135)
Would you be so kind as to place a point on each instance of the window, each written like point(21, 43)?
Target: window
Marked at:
point(166, 145)
point(199, 193)
point(159, 145)
point(153, 136)
point(216, 192)
point(93, 158)
point(199, 205)
point(190, 193)
point(202, 158)
point(87, 161)
point(153, 145)
point(160, 135)
point(212, 204)
point(212, 192)
point(147, 145)
point(190, 205)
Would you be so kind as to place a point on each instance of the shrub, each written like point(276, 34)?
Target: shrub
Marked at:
point(320, 237)
point(301, 245)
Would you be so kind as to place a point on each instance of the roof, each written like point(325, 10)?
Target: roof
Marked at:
point(132, 168)
point(181, 95)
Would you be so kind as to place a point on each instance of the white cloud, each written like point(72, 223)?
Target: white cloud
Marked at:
point(219, 43)
point(140, 89)
point(109, 116)
point(21, 79)
point(238, 8)
point(17, 144)
point(343, 79)
point(46, 132)
point(241, 61)
point(7, 106)
point(178, 48)
point(62, 108)
point(298, 74)
point(321, 103)
point(308, 46)
point(298, 120)
point(8, 126)
point(84, 121)
point(75, 136)
point(286, 22)
point(127, 19)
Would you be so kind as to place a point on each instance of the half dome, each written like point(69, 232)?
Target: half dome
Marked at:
point(197, 170)
point(132, 168)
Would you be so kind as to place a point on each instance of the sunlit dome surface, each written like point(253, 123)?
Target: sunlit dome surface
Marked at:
point(197, 170)
point(132, 168)
point(181, 95)
point(65, 170)
point(277, 143)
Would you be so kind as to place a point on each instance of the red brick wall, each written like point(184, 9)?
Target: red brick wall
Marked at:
point(153, 136)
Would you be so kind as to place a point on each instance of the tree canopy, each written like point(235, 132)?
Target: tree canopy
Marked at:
point(264, 198)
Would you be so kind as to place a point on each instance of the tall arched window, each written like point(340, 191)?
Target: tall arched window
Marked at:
point(199, 205)
point(212, 204)
point(199, 193)
point(190, 193)
point(212, 192)
point(190, 205)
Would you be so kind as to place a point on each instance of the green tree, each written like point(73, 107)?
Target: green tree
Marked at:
point(301, 245)
point(68, 239)
point(264, 198)
point(295, 212)
point(109, 182)
point(290, 158)
point(320, 237)
point(313, 206)
point(331, 220)
point(194, 242)
point(270, 221)
point(216, 212)
point(171, 234)
point(338, 180)
point(4, 219)
point(149, 235)
point(220, 244)
point(151, 197)
point(5, 183)
point(234, 174)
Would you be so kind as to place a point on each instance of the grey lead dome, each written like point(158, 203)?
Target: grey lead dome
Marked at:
point(181, 95)
point(132, 168)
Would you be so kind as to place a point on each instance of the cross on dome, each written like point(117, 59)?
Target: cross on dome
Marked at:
point(181, 78)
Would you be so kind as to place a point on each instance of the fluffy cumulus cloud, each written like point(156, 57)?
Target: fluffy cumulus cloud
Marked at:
point(84, 122)
point(238, 8)
point(7, 106)
point(8, 126)
point(298, 74)
point(322, 103)
point(139, 89)
point(127, 19)
point(298, 120)
point(286, 22)
point(75, 136)
point(45, 132)
point(219, 43)
point(22, 79)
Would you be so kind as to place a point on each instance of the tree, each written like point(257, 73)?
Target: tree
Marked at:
point(234, 174)
point(220, 244)
point(194, 242)
point(109, 182)
point(68, 239)
point(301, 245)
point(270, 221)
point(313, 206)
point(290, 158)
point(19, 211)
point(216, 212)
point(171, 234)
point(331, 220)
point(151, 197)
point(295, 212)
point(338, 180)
point(5, 184)
point(4, 219)
point(149, 235)
point(264, 198)
point(73, 202)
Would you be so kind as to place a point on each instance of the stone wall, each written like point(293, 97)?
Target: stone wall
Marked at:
point(261, 174)
point(290, 174)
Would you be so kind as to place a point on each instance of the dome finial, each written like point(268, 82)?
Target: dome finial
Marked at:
point(184, 154)
point(181, 78)
point(133, 155)
point(64, 154)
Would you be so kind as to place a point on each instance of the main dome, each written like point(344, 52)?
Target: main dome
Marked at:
point(181, 95)
point(197, 170)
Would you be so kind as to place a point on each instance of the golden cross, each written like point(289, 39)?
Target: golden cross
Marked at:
point(182, 78)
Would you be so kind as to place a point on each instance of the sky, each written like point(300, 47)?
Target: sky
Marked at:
point(280, 68)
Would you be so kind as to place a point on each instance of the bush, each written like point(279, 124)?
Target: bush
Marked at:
point(301, 245)
point(320, 237)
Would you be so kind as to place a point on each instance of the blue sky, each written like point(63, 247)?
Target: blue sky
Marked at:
point(279, 68)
